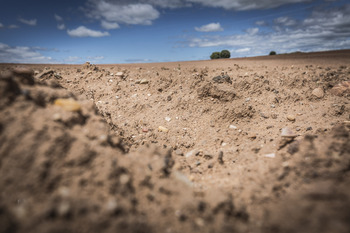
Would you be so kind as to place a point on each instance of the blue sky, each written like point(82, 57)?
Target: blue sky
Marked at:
point(129, 31)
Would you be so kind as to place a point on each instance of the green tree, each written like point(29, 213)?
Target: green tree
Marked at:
point(225, 54)
point(215, 55)
point(272, 53)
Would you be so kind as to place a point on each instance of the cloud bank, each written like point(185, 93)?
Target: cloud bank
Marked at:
point(212, 27)
point(322, 30)
point(22, 54)
point(83, 31)
point(115, 12)
point(30, 22)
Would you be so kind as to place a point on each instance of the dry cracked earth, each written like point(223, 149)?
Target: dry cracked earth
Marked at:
point(235, 145)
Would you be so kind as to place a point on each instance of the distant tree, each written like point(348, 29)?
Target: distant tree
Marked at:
point(215, 55)
point(272, 53)
point(225, 54)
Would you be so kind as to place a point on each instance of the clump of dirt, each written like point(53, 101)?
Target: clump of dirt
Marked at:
point(237, 145)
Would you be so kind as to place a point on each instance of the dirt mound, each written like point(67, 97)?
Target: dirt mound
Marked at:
point(169, 148)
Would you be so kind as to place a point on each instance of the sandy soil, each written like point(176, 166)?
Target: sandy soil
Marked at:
point(236, 145)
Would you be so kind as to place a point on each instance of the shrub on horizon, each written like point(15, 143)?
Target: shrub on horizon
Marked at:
point(272, 53)
point(215, 55)
point(225, 54)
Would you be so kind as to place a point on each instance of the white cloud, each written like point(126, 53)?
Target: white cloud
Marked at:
point(73, 59)
point(243, 50)
point(58, 18)
point(61, 26)
point(1, 25)
point(22, 54)
point(95, 59)
point(285, 21)
point(60, 23)
point(323, 30)
point(226, 4)
point(82, 31)
point(212, 27)
point(115, 12)
point(13, 26)
point(109, 25)
point(246, 4)
point(30, 22)
point(252, 31)
point(261, 23)
point(137, 60)
point(168, 3)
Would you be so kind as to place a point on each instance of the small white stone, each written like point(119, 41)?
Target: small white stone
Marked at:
point(233, 127)
point(272, 155)
point(143, 81)
point(111, 205)
point(286, 132)
point(318, 92)
point(163, 129)
point(120, 74)
point(63, 208)
point(124, 179)
point(167, 119)
point(189, 154)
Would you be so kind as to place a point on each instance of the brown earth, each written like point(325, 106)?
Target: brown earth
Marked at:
point(236, 145)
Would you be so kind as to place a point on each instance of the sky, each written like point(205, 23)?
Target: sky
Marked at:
point(138, 31)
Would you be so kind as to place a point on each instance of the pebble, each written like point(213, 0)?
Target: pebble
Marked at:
point(63, 208)
point(68, 104)
point(291, 117)
point(56, 117)
point(111, 205)
point(232, 127)
point(190, 153)
point(287, 133)
point(144, 81)
point(272, 155)
point(124, 179)
point(167, 119)
point(119, 74)
point(318, 92)
point(308, 128)
point(145, 130)
point(199, 222)
point(163, 129)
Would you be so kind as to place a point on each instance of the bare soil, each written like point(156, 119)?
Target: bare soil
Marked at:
point(235, 145)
